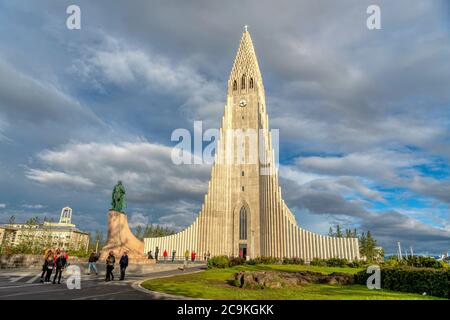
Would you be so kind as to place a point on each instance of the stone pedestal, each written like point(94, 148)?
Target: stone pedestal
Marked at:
point(120, 239)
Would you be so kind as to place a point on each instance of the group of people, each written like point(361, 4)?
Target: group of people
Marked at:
point(54, 259)
point(187, 254)
point(58, 260)
point(110, 263)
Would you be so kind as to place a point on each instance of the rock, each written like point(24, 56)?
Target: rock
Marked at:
point(276, 280)
point(338, 278)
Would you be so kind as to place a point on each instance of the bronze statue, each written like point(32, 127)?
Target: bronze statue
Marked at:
point(118, 202)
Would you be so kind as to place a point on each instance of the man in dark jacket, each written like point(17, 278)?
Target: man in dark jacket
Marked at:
point(123, 265)
point(60, 264)
point(110, 261)
point(92, 263)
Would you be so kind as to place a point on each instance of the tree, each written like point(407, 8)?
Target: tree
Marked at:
point(371, 244)
point(348, 233)
point(338, 231)
point(98, 238)
point(12, 220)
point(151, 231)
point(330, 232)
point(32, 221)
point(367, 246)
point(138, 232)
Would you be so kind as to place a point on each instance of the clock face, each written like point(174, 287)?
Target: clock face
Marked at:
point(243, 103)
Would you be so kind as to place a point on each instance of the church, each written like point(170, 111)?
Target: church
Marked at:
point(243, 212)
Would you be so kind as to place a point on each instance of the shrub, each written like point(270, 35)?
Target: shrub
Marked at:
point(356, 264)
point(415, 261)
point(236, 261)
point(219, 262)
point(336, 262)
point(424, 262)
point(435, 282)
point(263, 260)
point(293, 261)
point(318, 262)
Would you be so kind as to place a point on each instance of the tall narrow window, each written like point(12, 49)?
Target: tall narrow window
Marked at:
point(251, 83)
point(234, 85)
point(243, 82)
point(243, 224)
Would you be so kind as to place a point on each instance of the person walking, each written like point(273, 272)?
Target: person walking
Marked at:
point(110, 261)
point(193, 254)
point(123, 263)
point(92, 262)
point(165, 254)
point(156, 253)
point(49, 264)
point(208, 256)
point(174, 252)
point(60, 264)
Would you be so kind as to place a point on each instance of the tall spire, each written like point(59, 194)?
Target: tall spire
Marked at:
point(246, 63)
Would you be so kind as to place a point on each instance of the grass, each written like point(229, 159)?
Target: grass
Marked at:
point(215, 284)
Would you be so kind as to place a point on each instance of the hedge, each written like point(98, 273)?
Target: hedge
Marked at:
point(416, 261)
point(434, 282)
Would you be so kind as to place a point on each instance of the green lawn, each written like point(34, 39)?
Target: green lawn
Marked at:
point(215, 284)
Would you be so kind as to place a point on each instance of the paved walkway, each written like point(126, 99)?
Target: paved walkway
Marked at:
point(25, 285)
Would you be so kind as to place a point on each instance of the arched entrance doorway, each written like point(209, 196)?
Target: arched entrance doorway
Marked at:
point(243, 226)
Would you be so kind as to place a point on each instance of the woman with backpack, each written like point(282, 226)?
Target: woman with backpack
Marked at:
point(44, 265)
point(48, 266)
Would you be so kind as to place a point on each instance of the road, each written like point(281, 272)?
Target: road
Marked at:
point(25, 285)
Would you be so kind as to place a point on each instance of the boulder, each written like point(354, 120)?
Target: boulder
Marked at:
point(278, 279)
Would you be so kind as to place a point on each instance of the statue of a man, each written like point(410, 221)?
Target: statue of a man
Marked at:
point(118, 202)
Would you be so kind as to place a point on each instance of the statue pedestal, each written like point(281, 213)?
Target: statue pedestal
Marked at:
point(120, 239)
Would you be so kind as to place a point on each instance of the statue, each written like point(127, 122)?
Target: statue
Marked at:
point(118, 197)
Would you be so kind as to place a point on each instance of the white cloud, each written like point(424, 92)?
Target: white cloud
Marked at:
point(61, 179)
point(33, 206)
point(146, 170)
point(2, 205)
point(122, 65)
point(138, 219)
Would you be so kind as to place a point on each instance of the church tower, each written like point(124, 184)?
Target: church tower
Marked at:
point(243, 213)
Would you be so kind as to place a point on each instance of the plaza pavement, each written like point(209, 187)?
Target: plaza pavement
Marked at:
point(20, 284)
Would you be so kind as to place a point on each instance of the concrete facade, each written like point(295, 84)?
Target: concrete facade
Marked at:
point(243, 212)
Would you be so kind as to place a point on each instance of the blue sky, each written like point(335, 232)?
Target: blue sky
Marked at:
point(364, 116)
